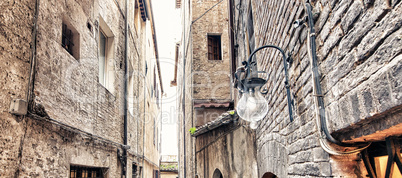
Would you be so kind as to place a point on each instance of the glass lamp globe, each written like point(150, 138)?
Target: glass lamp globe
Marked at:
point(252, 106)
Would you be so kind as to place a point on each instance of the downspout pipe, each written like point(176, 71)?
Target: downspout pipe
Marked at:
point(143, 122)
point(232, 45)
point(184, 89)
point(316, 80)
point(319, 97)
point(126, 77)
point(32, 69)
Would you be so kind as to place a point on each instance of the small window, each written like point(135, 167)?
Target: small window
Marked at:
point(70, 39)
point(137, 17)
point(86, 172)
point(154, 131)
point(156, 174)
point(134, 170)
point(214, 47)
point(106, 63)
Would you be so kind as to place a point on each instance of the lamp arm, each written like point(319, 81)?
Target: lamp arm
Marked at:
point(286, 74)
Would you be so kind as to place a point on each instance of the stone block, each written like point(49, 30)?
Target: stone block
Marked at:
point(351, 15)
point(319, 155)
point(395, 77)
point(332, 40)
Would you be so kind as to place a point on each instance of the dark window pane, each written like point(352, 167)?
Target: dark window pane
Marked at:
point(214, 47)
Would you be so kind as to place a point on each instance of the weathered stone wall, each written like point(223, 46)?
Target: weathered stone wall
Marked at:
point(204, 79)
point(185, 142)
point(210, 78)
point(16, 19)
point(68, 89)
point(359, 55)
point(229, 149)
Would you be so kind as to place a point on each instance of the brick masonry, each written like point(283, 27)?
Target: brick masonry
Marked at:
point(359, 55)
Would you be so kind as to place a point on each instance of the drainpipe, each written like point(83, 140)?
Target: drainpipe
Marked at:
point(32, 69)
point(143, 123)
point(232, 46)
point(321, 121)
point(124, 171)
point(184, 89)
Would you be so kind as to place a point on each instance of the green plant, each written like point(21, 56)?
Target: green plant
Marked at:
point(232, 112)
point(192, 130)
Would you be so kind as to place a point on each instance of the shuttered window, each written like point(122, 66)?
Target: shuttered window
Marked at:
point(214, 47)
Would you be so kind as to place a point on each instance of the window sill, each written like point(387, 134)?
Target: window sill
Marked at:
point(108, 92)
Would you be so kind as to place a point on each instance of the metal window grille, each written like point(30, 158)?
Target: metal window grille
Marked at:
point(85, 172)
point(134, 171)
point(67, 39)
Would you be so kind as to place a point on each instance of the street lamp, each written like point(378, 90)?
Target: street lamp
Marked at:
point(252, 105)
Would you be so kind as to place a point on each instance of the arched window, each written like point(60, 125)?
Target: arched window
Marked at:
point(217, 174)
point(269, 175)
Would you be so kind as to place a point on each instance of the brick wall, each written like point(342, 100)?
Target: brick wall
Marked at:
point(210, 78)
point(358, 47)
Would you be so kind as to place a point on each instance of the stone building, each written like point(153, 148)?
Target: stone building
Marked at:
point(345, 89)
point(169, 166)
point(358, 47)
point(219, 145)
point(90, 73)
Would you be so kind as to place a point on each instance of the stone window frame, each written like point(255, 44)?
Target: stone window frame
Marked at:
point(214, 40)
point(107, 74)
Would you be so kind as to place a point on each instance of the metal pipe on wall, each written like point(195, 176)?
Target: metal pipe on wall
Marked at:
point(184, 89)
point(124, 173)
point(319, 97)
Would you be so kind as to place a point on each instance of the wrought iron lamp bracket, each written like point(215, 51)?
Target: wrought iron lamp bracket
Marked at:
point(247, 79)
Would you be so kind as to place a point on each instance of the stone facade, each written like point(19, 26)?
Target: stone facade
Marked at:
point(205, 92)
point(359, 56)
point(73, 119)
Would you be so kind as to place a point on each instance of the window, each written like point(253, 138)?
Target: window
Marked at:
point(137, 17)
point(156, 174)
point(382, 159)
point(214, 47)
point(134, 170)
point(102, 58)
point(131, 96)
point(70, 39)
point(154, 131)
point(155, 86)
point(106, 64)
point(86, 172)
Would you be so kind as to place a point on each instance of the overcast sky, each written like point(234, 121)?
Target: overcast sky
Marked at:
point(167, 23)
